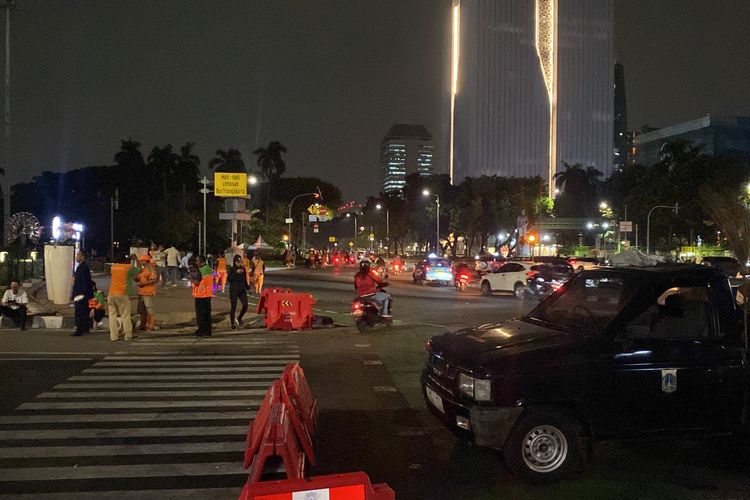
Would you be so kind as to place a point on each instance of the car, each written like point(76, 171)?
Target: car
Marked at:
point(729, 265)
point(510, 277)
point(488, 263)
point(583, 263)
point(615, 353)
point(433, 270)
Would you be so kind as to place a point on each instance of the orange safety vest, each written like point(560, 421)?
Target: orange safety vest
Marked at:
point(204, 289)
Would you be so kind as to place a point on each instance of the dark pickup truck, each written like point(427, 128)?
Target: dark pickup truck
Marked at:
point(614, 353)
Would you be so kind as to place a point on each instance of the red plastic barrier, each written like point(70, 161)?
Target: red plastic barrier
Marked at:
point(289, 311)
point(263, 299)
point(352, 486)
point(301, 430)
point(278, 440)
point(296, 385)
point(257, 429)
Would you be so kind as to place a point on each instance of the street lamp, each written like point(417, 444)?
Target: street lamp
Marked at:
point(204, 190)
point(676, 209)
point(348, 215)
point(289, 214)
point(387, 229)
point(252, 180)
point(426, 192)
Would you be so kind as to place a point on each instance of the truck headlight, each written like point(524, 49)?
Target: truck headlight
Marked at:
point(475, 388)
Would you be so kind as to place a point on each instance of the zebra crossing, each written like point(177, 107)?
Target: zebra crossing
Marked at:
point(143, 423)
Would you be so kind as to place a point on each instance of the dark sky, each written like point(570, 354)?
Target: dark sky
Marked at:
point(325, 77)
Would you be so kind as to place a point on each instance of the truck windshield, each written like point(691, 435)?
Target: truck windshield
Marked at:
point(587, 303)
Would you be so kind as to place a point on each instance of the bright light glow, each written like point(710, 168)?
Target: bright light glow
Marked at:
point(78, 228)
point(252, 180)
point(546, 49)
point(546, 237)
point(532, 238)
point(379, 206)
point(605, 225)
point(432, 256)
point(603, 205)
point(348, 215)
point(590, 225)
point(557, 191)
point(56, 228)
point(3, 256)
point(425, 192)
point(455, 57)
point(748, 187)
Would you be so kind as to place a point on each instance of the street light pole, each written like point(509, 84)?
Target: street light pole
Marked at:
point(426, 192)
point(205, 191)
point(9, 5)
point(387, 229)
point(676, 209)
point(289, 215)
point(114, 202)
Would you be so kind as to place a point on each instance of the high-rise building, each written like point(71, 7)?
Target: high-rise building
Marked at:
point(405, 149)
point(622, 139)
point(531, 87)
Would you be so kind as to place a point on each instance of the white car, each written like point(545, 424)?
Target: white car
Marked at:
point(510, 277)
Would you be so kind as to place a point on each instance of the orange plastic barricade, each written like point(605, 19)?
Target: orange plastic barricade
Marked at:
point(352, 486)
point(278, 440)
point(263, 300)
point(257, 429)
point(296, 385)
point(289, 311)
point(301, 430)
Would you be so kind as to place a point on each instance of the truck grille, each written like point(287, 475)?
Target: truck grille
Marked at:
point(442, 374)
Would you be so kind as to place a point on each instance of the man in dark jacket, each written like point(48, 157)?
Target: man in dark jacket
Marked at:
point(82, 292)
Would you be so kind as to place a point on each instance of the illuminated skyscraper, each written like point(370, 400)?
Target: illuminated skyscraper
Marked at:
point(531, 87)
point(405, 149)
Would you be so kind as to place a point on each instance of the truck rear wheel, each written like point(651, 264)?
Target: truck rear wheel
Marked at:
point(543, 446)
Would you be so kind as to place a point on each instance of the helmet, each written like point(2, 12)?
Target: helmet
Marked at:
point(364, 266)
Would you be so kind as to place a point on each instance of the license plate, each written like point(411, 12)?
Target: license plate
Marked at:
point(436, 400)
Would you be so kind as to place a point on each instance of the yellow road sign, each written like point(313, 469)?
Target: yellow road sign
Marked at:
point(230, 184)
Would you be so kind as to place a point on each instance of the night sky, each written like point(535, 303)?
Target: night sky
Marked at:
point(325, 77)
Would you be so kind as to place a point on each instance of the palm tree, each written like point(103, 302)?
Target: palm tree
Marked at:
point(188, 168)
point(228, 161)
point(163, 162)
point(578, 185)
point(129, 155)
point(272, 166)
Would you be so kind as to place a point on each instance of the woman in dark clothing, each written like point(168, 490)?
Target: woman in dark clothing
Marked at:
point(238, 287)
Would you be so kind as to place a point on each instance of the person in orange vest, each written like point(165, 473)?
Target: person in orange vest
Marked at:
point(221, 274)
point(246, 263)
point(202, 280)
point(146, 282)
point(258, 268)
point(119, 301)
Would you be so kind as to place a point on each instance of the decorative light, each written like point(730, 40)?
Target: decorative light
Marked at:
point(56, 228)
point(546, 49)
point(590, 225)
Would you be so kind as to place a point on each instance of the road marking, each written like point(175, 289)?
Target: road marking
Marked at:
point(200, 363)
point(165, 385)
point(114, 450)
point(46, 359)
point(148, 394)
point(120, 471)
point(128, 417)
point(190, 358)
point(271, 375)
point(195, 370)
point(35, 353)
point(384, 388)
point(232, 430)
point(246, 344)
point(361, 345)
point(372, 362)
point(139, 404)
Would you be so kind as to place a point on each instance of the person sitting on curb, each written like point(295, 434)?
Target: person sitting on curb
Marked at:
point(97, 304)
point(14, 304)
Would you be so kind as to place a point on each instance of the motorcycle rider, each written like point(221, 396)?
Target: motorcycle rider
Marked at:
point(366, 283)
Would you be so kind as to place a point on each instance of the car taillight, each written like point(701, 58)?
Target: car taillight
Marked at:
point(531, 274)
point(463, 276)
point(426, 268)
point(428, 345)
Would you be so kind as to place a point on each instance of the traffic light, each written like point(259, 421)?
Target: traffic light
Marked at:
point(317, 195)
point(532, 237)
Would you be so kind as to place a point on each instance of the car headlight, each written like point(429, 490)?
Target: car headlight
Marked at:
point(475, 388)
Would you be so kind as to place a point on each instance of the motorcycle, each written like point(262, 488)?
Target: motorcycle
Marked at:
point(367, 313)
point(396, 268)
point(538, 288)
point(462, 281)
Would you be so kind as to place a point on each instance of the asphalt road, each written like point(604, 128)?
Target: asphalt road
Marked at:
point(165, 416)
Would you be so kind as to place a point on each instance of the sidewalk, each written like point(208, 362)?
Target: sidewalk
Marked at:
point(174, 305)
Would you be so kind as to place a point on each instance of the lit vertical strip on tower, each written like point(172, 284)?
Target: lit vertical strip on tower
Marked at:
point(546, 49)
point(455, 55)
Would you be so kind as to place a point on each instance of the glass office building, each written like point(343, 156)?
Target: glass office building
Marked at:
point(404, 150)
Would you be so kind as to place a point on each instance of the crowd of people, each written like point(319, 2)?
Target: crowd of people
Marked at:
point(139, 275)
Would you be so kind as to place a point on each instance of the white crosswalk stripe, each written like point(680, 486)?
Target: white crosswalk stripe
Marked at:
point(139, 420)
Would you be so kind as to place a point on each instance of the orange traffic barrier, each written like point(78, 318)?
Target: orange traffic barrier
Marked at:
point(352, 486)
point(278, 441)
point(263, 299)
point(301, 430)
point(258, 426)
point(295, 383)
point(289, 311)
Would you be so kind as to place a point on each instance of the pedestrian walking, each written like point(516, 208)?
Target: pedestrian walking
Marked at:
point(97, 305)
point(159, 260)
point(173, 264)
point(238, 286)
point(15, 303)
point(185, 265)
point(202, 280)
point(289, 258)
point(82, 292)
point(221, 274)
point(118, 300)
point(257, 271)
point(146, 282)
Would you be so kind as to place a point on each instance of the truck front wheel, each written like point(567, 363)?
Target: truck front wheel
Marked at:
point(543, 446)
